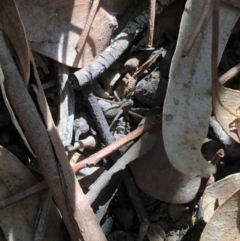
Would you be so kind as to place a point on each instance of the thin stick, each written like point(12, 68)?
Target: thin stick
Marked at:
point(88, 24)
point(196, 29)
point(151, 23)
point(215, 32)
point(230, 74)
point(23, 195)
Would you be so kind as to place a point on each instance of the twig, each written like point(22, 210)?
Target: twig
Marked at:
point(214, 56)
point(88, 24)
point(230, 74)
point(112, 52)
point(97, 114)
point(196, 29)
point(151, 23)
point(22, 195)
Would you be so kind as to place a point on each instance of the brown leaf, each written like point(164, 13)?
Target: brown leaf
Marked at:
point(216, 194)
point(155, 175)
point(53, 29)
point(225, 223)
point(18, 220)
point(226, 106)
point(14, 29)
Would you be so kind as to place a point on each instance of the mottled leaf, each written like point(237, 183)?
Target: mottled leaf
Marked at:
point(188, 103)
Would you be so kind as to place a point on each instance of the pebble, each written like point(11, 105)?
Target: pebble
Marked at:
point(151, 90)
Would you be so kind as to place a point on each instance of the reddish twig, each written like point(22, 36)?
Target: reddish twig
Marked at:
point(196, 29)
point(151, 23)
point(88, 24)
point(22, 195)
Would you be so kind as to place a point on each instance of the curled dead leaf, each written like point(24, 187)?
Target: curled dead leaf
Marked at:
point(226, 106)
point(216, 194)
point(224, 224)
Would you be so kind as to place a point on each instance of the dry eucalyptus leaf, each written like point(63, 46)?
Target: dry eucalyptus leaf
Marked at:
point(155, 175)
point(14, 29)
point(216, 194)
point(226, 106)
point(18, 220)
point(53, 28)
point(224, 224)
point(187, 107)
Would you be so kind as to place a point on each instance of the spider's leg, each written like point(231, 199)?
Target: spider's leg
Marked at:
point(77, 134)
point(116, 96)
point(139, 109)
point(116, 118)
point(109, 101)
point(126, 116)
point(135, 115)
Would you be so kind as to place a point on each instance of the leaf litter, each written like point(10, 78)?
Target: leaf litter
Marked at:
point(160, 183)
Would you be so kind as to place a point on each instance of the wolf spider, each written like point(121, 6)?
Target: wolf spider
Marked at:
point(119, 107)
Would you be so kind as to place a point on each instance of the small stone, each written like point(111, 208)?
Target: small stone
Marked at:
point(151, 90)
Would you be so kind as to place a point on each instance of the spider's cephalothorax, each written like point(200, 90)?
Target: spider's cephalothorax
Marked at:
point(120, 107)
